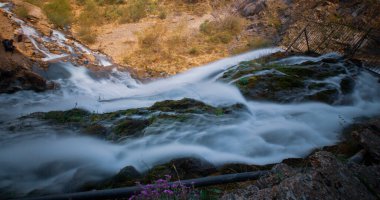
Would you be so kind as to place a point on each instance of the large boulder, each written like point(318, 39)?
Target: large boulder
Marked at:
point(326, 179)
point(287, 83)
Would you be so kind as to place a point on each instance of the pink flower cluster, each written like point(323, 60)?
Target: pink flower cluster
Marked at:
point(162, 189)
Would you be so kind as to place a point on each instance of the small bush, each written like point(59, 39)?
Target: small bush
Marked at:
point(194, 51)
point(87, 35)
point(112, 13)
point(136, 10)
point(162, 14)
point(232, 24)
point(149, 38)
point(90, 14)
point(258, 42)
point(206, 27)
point(59, 12)
point(222, 30)
point(22, 12)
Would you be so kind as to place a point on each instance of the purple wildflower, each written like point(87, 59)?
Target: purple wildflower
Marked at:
point(169, 192)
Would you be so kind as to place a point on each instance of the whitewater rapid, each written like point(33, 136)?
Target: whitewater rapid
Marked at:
point(266, 133)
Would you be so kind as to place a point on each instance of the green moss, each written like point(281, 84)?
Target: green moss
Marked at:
point(286, 82)
point(182, 106)
point(128, 127)
point(74, 115)
point(219, 111)
point(96, 130)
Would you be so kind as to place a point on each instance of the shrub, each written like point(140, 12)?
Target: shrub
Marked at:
point(258, 42)
point(22, 12)
point(149, 38)
point(206, 27)
point(222, 30)
point(59, 12)
point(136, 10)
point(231, 23)
point(194, 51)
point(90, 14)
point(162, 14)
point(87, 35)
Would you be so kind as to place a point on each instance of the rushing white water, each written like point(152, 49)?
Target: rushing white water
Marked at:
point(266, 133)
point(79, 88)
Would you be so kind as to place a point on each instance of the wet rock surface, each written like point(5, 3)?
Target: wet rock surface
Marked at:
point(325, 80)
point(325, 175)
point(120, 125)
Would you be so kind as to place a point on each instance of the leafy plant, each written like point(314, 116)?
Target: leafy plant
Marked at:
point(59, 12)
point(22, 12)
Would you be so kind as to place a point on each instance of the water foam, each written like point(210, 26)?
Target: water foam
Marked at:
point(266, 133)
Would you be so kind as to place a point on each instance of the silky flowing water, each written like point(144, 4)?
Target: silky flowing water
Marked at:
point(40, 157)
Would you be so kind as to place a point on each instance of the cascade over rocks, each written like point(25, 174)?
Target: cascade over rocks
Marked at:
point(303, 82)
point(323, 175)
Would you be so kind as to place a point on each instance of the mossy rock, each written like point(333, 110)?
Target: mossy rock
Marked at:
point(70, 116)
point(329, 96)
point(96, 130)
point(182, 106)
point(272, 87)
point(129, 127)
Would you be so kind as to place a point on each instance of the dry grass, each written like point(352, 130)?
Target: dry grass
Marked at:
point(171, 50)
point(224, 29)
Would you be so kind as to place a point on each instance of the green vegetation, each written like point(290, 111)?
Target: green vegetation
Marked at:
point(71, 116)
point(21, 12)
point(128, 127)
point(86, 34)
point(136, 10)
point(222, 30)
point(59, 12)
point(38, 3)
